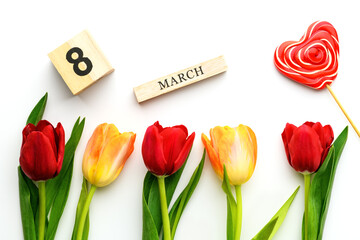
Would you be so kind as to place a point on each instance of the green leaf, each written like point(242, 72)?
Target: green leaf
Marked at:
point(38, 111)
point(59, 204)
point(339, 145)
point(275, 222)
point(303, 228)
point(184, 197)
point(151, 195)
point(150, 231)
point(172, 181)
point(148, 181)
point(27, 214)
point(227, 187)
point(231, 207)
point(57, 189)
point(230, 219)
point(70, 147)
point(317, 193)
point(153, 203)
point(28, 192)
point(34, 117)
point(321, 186)
point(34, 193)
point(266, 232)
point(82, 198)
point(149, 227)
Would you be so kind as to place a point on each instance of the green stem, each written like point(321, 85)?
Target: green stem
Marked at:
point(164, 208)
point(307, 179)
point(42, 207)
point(84, 213)
point(238, 212)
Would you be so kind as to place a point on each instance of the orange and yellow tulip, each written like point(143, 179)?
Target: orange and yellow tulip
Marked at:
point(236, 148)
point(106, 154)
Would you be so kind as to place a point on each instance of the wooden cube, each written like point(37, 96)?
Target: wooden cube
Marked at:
point(80, 62)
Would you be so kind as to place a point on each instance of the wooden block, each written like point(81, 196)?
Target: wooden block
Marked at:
point(80, 62)
point(180, 79)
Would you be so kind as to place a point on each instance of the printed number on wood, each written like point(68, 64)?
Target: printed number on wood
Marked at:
point(79, 59)
point(80, 62)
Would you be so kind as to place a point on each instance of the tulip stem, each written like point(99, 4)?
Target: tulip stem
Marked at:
point(42, 208)
point(238, 212)
point(342, 109)
point(307, 179)
point(164, 208)
point(84, 213)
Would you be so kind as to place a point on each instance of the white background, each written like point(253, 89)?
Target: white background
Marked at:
point(144, 40)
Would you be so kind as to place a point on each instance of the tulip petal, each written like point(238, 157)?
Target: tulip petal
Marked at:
point(152, 150)
point(47, 128)
point(328, 135)
point(183, 154)
point(243, 155)
point(183, 128)
point(93, 150)
point(42, 124)
point(116, 151)
point(222, 137)
point(49, 132)
point(305, 149)
point(319, 130)
point(60, 142)
point(158, 126)
point(328, 139)
point(253, 141)
point(173, 142)
point(310, 124)
point(236, 148)
point(27, 130)
point(37, 158)
point(106, 154)
point(249, 137)
point(286, 137)
point(109, 148)
point(213, 156)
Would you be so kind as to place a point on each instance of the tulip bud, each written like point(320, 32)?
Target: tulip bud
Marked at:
point(236, 148)
point(165, 150)
point(106, 154)
point(307, 146)
point(42, 150)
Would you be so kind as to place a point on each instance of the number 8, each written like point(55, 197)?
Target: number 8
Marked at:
point(78, 60)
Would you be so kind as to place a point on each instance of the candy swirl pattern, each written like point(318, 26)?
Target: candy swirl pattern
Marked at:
point(312, 61)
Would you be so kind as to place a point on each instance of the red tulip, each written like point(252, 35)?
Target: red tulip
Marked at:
point(307, 146)
point(42, 150)
point(165, 150)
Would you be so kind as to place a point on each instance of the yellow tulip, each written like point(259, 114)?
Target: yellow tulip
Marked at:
point(236, 148)
point(106, 154)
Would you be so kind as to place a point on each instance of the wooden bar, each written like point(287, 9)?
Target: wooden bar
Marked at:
point(180, 79)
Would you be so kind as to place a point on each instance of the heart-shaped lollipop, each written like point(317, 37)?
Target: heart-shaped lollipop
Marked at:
point(312, 61)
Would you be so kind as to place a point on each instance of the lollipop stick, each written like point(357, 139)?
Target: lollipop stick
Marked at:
point(342, 109)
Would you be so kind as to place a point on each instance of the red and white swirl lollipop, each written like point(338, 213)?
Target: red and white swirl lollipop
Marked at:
point(312, 61)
